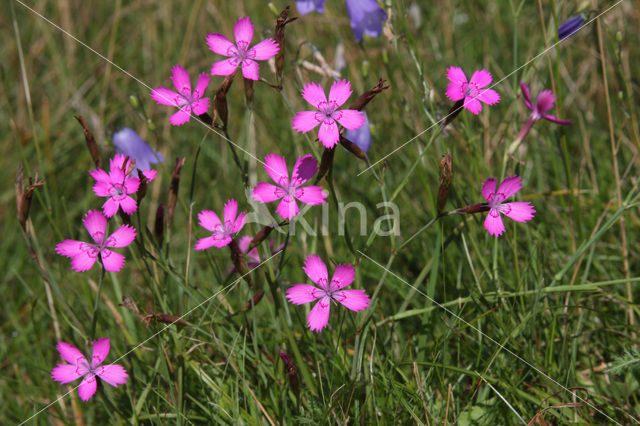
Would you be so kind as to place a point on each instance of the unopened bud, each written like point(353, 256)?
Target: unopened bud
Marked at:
point(142, 189)
point(453, 112)
point(473, 208)
point(291, 370)
point(279, 37)
point(23, 195)
point(173, 190)
point(366, 97)
point(158, 226)
point(133, 100)
point(220, 101)
point(248, 91)
point(353, 148)
point(446, 175)
point(91, 142)
point(325, 163)
point(239, 261)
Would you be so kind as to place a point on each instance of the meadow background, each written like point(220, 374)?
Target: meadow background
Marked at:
point(540, 324)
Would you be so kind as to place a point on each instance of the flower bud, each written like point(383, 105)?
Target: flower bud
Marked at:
point(279, 37)
point(446, 175)
point(91, 143)
point(366, 97)
point(23, 195)
point(173, 190)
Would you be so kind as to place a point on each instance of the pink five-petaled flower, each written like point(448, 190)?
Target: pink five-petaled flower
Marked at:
point(83, 255)
point(520, 211)
point(78, 366)
point(240, 53)
point(289, 189)
point(184, 99)
point(233, 223)
point(117, 185)
point(314, 267)
point(544, 103)
point(472, 91)
point(328, 112)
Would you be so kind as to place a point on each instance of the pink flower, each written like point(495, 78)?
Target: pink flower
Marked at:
point(117, 184)
point(240, 53)
point(544, 103)
point(184, 99)
point(314, 267)
point(289, 190)
point(472, 92)
point(253, 256)
point(233, 223)
point(328, 112)
point(83, 255)
point(78, 366)
point(519, 211)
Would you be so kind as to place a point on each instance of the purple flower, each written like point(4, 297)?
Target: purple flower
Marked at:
point(544, 103)
point(570, 27)
point(128, 142)
point(308, 6)
point(366, 18)
point(362, 135)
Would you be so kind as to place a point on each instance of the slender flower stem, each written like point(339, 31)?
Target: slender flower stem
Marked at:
point(94, 322)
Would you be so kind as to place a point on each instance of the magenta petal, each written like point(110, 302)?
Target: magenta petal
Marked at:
point(312, 195)
point(131, 185)
point(520, 211)
point(113, 374)
point(110, 207)
point(87, 387)
point(456, 75)
point(100, 351)
point(111, 260)
point(65, 373)
point(116, 174)
point(525, 95)
point(209, 220)
point(303, 293)
point(489, 189)
point(553, 119)
point(482, 78)
point(122, 237)
point(329, 134)
point(69, 248)
point(102, 189)
point(84, 261)
point(316, 270)
point(243, 31)
point(70, 353)
point(150, 174)
point(100, 176)
point(200, 106)
point(181, 116)
point(473, 105)
point(181, 80)
point(340, 92)
point(164, 96)
point(454, 91)
point(205, 243)
point(220, 240)
point(342, 276)
point(356, 300)
point(305, 167)
point(201, 86)
point(508, 187)
point(250, 69)
point(314, 94)
point(319, 316)
point(230, 211)
point(493, 223)
point(266, 192)
point(488, 96)
point(129, 205)
point(225, 67)
point(96, 224)
point(264, 50)
point(239, 223)
point(276, 167)
point(351, 119)
point(288, 207)
point(545, 101)
point(305, 121)
point(220, 44)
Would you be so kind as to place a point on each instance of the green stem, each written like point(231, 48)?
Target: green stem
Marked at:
point(94, 322)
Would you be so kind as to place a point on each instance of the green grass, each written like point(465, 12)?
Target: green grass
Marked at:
point(463, 328)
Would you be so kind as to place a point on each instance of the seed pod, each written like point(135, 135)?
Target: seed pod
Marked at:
point(453, 112)
point(446, 175)
point(23, 195)
point(173, 190)
point(91, 143)
point(279, 37)
point(325, 163)
point(239, 261)
point(366, 97)
point(473, 208)
point(220, 101)
point(158, 226)
point(354, 149)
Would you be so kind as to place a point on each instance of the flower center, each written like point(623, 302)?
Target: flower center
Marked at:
point(240, 52)
point(327, 112)
point(117, 191)
point(470, 89)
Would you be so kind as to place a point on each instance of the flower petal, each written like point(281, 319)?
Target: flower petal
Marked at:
point(553, 119)
point(314, 94)
point(493, 223)
point(250, 69)
point(265, 192)
point(204, 243)
point(129, 205)
point(264, 50)
point(201, 86)
point(508, 187)
point(545, 101)
point(473, 105)
point(489, 189)
point(96, 224)
point(70, 353)
point(454, 91)
point(114, 374)
point(84, 261)
point(181, 116)
point(65, 373)
point(299, 294)
point(131, 184)
point(481, 78)
point(110, 207)
point(312, 195)
point(225, 67)
point(276, 167)
point(230, 211)
point(87, 387)
point(342, 276)
point(200, 106)
point(526, 97)
point(181, 80)
point(70, 248)
point(351, 119)
point(122, 237)
point(243, 31)
point(100, 351)
point(488, 96)
point(209, 220)
point(316, 270)
point(305, 121)
point(165, 96)
point(520, 211)
point(329, 134)
point(239, 223)
point(340, 92)
point(319, 316)
point(100, 176)
point(220, 44)
point(356, 300)
point(111, 260)
point(288, 207)
point(305, 167)
point(456, 75)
